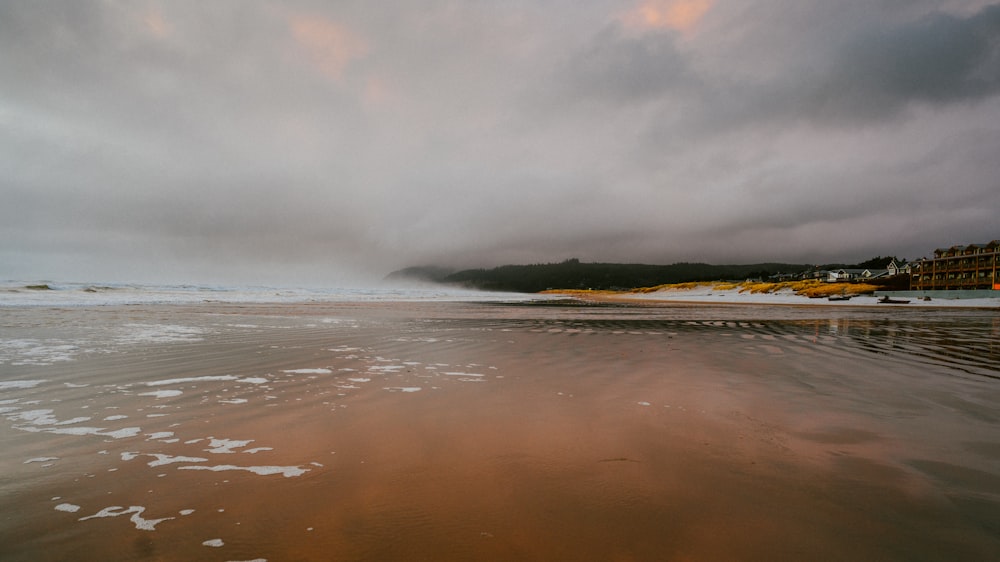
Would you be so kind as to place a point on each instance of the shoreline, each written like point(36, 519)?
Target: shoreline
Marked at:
point(705, 294)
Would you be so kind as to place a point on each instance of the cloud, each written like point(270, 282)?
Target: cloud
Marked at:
point(619, 67)
point(847, 75)
point(312, 141)
point(331, 46)
point(157, 24)
point(938, 59)
point(678, 15)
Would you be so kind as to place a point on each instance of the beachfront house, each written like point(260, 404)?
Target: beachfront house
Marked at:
point(895, 269)
point(848, 275)
point(972, 267)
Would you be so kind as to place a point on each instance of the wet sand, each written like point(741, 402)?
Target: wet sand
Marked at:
point(449, 431)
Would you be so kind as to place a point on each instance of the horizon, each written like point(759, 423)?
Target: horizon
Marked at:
point(385, 282)
point(314, 144)
point(375, 280)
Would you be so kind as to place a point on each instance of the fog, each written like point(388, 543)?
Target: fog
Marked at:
point(333, 142)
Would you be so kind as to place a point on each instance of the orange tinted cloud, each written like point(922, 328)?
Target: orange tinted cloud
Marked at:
point(330, 45)
point(679, 15)
point(157, 24)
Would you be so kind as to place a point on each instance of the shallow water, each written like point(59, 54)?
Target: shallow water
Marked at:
point(516, 431)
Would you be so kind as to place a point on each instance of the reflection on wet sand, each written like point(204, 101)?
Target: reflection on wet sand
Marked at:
point(482, 432)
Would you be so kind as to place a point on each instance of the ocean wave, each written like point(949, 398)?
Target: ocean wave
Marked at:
point(49, 293)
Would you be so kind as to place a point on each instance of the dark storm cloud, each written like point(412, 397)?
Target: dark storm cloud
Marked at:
point(623, 68)
point(872, 70)
point(313, 141)
point(938, 59)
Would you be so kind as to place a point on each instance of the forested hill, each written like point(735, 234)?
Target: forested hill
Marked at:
point(572, 274)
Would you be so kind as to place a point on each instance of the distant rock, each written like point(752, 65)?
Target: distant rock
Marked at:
point(423, 273)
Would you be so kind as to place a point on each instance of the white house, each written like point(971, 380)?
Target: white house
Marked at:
point(842, 275)
point(898, 269)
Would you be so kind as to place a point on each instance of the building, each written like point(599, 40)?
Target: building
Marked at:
point(898, 268)
point(969, 267)
point(841, 275)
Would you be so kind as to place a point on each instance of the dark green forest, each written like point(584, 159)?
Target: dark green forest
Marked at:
point(574, 274)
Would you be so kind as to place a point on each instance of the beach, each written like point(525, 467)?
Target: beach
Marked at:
point(713, 294)
point(527, 430)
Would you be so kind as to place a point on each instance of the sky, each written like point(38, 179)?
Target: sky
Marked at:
point(322, 142)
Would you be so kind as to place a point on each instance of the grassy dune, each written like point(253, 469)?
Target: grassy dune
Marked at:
point(809, 288)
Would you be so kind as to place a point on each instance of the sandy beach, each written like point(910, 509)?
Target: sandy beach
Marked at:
point(498, 431)
point(709, 293)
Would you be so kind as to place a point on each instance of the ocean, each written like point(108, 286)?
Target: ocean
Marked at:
point(232, 424)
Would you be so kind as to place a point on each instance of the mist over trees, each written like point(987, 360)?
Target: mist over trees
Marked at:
point(574, 274)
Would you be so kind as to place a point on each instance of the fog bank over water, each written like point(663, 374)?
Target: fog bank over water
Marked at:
point(316, 143)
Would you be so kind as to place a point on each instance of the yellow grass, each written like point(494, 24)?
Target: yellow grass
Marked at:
point(829, 289)
point(806, 288)
point(668, 286)
point(579, 292)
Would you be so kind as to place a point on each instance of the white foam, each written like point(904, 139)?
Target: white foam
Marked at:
point(215, 543)
point(74, 420)
point(36, 417)
point(308, 371)
point(72, 430)
point(122, 433)
point(186, 511)
point(68, 508)
point(286, 471)
point(159, 435)
point(207, 378)
point(41, 459)
point(402, 388)
point(159, 333)
point(226, 446)
point(137, 519)
point(115, 418)
point(359, 379)
point(257, 450)
point(254, 380)
point(35, 352)
point(4, 385)
point(162, 459)
point(163, 393)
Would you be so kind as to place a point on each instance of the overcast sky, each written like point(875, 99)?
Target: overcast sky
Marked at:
point(323, 142)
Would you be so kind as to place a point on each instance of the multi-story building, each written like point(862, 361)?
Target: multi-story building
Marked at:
point(960, 267)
